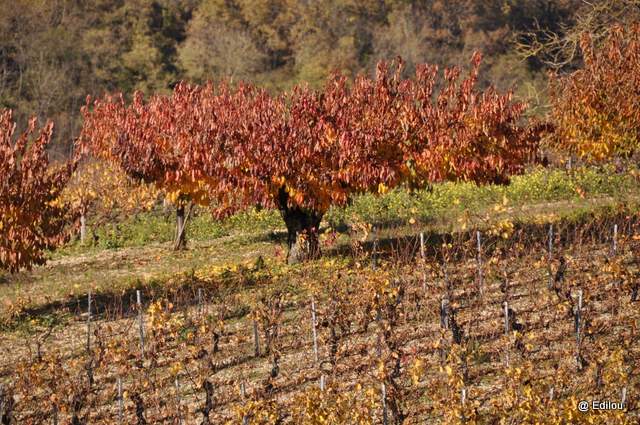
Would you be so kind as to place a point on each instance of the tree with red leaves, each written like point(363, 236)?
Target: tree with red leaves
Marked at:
point(306, 150)
point(32, 219)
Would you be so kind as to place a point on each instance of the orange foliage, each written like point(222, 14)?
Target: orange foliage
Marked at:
point(31, 220)
point(596, 108)
point(99, 188)
point(308, 149)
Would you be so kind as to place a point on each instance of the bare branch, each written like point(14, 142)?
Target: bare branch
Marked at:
point(560, 49)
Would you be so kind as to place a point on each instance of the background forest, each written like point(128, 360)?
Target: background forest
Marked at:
point(55, 52)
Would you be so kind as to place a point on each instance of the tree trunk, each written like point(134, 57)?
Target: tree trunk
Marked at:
point(302, 227)
point(181, 237)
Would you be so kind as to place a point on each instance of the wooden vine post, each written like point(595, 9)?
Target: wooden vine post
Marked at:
point(314, 330)
point(178, 403)
point(83, 228)
point(479, 261)
point(385, 419)
point(463, 402)
point(374, 263)
point(256, 339)
point(444, 313)
point(550, 252)
point(578, 330)
point(243, 395)
point(89, 365)
point(507, 327)
point(89, 322)
point(140, 321)
point(120, 402)
point(379, 328)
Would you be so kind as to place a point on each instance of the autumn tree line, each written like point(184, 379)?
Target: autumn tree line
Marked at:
point(300, 135)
